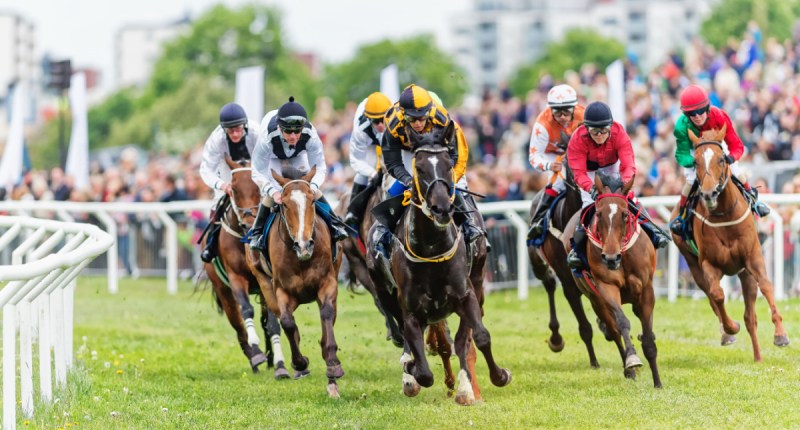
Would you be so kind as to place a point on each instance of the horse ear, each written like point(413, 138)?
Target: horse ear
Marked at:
point(310, 174)
point(721, 133)
point(450, 133)
point(281, 180)
point(598, 182)
point(229, 161)
point(626, 188)
point(693, 138)
point(563, 140)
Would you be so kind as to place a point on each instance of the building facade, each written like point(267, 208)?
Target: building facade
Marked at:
point(138, 47)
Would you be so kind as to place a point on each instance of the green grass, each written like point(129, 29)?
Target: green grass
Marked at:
point(167, 362)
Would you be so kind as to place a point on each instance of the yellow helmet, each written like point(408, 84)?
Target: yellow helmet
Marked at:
point(415, 101)
point(377, 105)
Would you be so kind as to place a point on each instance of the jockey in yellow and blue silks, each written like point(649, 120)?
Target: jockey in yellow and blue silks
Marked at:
point(418, 111)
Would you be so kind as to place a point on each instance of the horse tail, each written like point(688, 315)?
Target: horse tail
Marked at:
point(201, 283)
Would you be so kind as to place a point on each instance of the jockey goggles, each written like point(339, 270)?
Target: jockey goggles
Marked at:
point(696, 112)
point(599, 131)
point(565, 111)
point(412, 119)
point(376, 121)
point(292, 124)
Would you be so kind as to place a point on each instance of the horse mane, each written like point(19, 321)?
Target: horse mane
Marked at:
point(290, 172)
point(613, 182)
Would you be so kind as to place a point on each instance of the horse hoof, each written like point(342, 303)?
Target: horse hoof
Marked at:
point(335, 372)
point(556, 347)
point(782, 340)
point(465, 400)
point(333, 390)
point(450, 392)
point(728, 339)
point(633, 361)
point(257, 360)
point(281, 372)
point(410, 386)
point(736, 328)
point(298, 374)
point(504, 379)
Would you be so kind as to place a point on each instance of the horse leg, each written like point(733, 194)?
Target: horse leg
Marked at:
point(573, 296)
point(469, 309)
point(272, 330)
point(287, 306)
point(542, 271)
point(750, 293)
point(410, 386)
point(418, 367)
point(239, 287)
point(716, 297)
point(767, 290)
point(643, 308)
point(465, 395)
point(326, 299)
point(438, 342)
point(231, 309)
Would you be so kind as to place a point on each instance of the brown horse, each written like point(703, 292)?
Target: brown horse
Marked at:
point(621, 268)
point(550, 261)
point(232, 293)
point(728, 244)
point(430, 266)
point(302, 270)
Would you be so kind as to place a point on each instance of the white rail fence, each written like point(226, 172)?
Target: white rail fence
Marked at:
point(37, 296)
point(516, 212)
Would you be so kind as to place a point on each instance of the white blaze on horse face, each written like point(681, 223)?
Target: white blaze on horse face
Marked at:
point(434, 161)
point(708, 154)
point(299, 198)
point(613, 207)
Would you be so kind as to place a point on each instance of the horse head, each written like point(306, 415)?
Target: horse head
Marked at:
point(711, 164)
point(613, 222)
point(245, 195)
point(297, 211)
point(433, 190)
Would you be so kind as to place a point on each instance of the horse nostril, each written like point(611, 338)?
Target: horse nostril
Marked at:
point(311, 243)
point(295, 246)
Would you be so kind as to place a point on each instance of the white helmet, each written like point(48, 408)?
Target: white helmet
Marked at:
point(562, 96)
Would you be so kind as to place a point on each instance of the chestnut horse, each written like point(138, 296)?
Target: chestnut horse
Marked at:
point(302, 271)
point(232, 296)
point(550, 261)
point(431, 267)
point(622, 263)
point(728, 242)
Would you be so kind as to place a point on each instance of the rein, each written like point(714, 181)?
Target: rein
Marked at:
point(412, 256)
point(633, 227)
point(719, 188)
point(423, 204)
point(239, 212)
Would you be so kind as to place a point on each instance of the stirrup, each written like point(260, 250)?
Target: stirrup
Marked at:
point(574, 260)
point(676, 225)
point(536, 230)
point(761, 209)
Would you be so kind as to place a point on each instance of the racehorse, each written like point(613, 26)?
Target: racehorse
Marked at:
point(232, 279)
point(430, 267)
point(726, 242)
point(549, 261)
point(302, 270)
point(621, 267)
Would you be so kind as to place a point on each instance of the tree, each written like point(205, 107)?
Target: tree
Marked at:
point(775, 18)
point(578, 47)
point(417, 60)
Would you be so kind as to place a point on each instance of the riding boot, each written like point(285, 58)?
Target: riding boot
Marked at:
point(210, 251)
point(574, 260)
point(676, 225)
point(463, 218)
point(335, 224)
point(258, 226)
point(356, 207)
point(382, 238)
point(656, 235)
point(756, 206)
point(537, 221)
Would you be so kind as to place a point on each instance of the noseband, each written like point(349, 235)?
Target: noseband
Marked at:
point(240, 213)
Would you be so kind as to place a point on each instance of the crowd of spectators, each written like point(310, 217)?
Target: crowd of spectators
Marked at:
point(755, 81)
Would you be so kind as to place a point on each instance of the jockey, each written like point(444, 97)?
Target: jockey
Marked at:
point(602, 145)
point(288, 139)
point(698, 116)
point(417, 110)
point(558, 121)
point(365, 151)
point(234, 136)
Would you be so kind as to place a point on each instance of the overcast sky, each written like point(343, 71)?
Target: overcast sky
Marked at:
point(84, 30)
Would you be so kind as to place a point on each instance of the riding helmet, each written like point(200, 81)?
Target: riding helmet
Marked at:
point(562, 96)
point(694, 97)
point(597, 114)
point(377, 105)
point(232, 115)
point(292, 114)
point(415, 101)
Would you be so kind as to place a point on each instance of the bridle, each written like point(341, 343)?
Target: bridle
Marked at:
point(722, 182)
point(283, 215)
point(242, 213)
point(423, 198)
point(631, 223)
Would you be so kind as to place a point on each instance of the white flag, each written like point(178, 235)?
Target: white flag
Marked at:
point(615, 73)
point(11, 166)
point(78, 155)
point(389, 83)
point(250, 91)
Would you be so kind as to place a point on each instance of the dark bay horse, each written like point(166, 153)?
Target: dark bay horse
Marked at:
point(302, 271)
point(550, 261)
point(726, 242)
point(430, 267)
point(232, 293)
point(622, 262)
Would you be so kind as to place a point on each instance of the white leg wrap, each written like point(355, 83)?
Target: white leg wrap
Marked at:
point(252, 335)
point(276, 349)
point(464, 386)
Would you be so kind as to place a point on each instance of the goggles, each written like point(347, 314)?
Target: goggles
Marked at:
point(601, 131)
point(235, 128)
point(292, 130)
point(696, 112)
point(376, 121)
point(412, 119)
point(563, 111)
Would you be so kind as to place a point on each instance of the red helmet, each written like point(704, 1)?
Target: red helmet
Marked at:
point(693, 97)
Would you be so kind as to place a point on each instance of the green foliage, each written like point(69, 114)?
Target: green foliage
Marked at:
point(730, 17)
point(578, 47)
point(170, 361)
point(417, 59)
